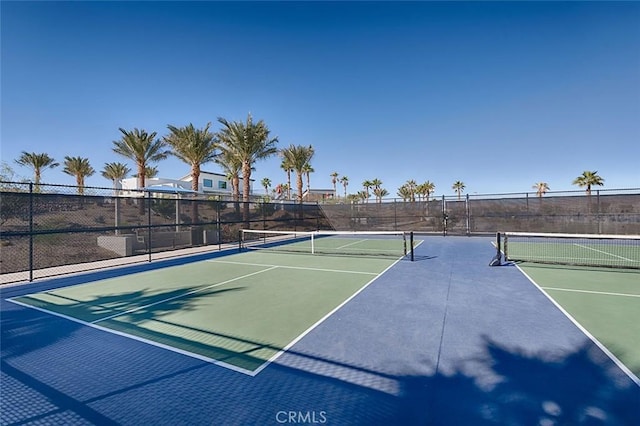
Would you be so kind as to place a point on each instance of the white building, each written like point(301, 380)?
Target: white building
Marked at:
point(209, 183)
point(216, 183)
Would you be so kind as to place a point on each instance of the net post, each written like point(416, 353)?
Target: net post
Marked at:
point(404, 243)
point(313, 251)
point(240, 240)
point(411, 245)
point(505, 246)
point(497, 259)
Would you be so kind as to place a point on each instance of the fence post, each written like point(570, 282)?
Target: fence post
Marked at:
point(395, 215)
point(218, 228)
point(444, 216)
point(149, 223)
point(117, 214)
point(468, 214)
point(598, 212)
point(30, 231)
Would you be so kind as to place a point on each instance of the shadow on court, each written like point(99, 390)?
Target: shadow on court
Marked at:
point(139, 305)
point(54, 370)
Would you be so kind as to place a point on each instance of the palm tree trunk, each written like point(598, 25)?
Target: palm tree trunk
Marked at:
point(246, 185)
point(236, 193)
point(141, 183)
point(299, 185)
point(195, 182)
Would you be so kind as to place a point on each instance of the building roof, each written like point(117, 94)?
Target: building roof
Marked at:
point(188, 176)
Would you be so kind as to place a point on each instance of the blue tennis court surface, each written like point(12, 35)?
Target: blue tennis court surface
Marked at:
point(443, 340)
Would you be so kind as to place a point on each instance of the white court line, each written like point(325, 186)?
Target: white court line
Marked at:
point(182, 295)
point(592, 292)
point(304, 268)
point(604, 252)
point(139, 339)
point(350, 244)
point(590, 336)
point(320, 321)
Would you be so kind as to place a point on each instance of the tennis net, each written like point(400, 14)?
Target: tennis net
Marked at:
point(615, 251)
point(379, 243)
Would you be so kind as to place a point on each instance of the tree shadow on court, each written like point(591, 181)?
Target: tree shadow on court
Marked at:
point(148, 304)
point(578, 388)
point(25, 330)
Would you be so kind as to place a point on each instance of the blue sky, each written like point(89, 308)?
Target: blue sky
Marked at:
point(497, 95)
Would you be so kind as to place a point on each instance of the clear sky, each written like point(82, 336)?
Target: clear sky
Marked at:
point(497, 95)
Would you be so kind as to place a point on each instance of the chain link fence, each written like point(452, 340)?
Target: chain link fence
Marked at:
point(50, 226)
point(46, 228)
point(602, 212)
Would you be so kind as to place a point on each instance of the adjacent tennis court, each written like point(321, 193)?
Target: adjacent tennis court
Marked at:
point(614, 251)
point(594, 278)
point(605, 301)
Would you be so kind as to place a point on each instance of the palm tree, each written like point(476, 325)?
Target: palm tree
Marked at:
point(288, 168)
point(266, 183)
point(380, 193)
point(249, 142)
point(588, 179)
point(149, 172)
point(307, 172)
point(334, 181)
point(426, 189)
point(193, 146)
point(458, 186)
point(231, 166)
point(367, 184)
point(80, 168)
point(404, 192)
point(281, 189)
point(541, 188)
point(142, 148)
point(362, 196)
point(344, 180)
point(352, 198)
point(115, 172)
point(298, 157)
point(411, 187)
point(37, 162)
point(420, 191)
point(377, 184)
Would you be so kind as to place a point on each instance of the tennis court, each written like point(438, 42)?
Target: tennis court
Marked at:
point(614, 251)
point(240, 311)
point(335, 331)
point(604, 301)
point(594, 278)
